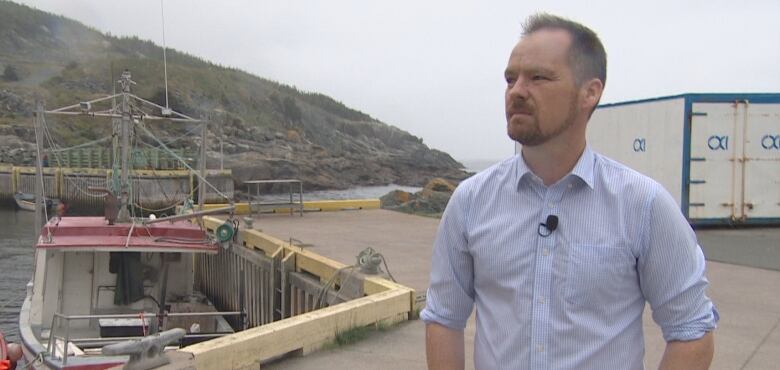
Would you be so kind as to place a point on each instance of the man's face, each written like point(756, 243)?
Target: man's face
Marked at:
point(542, 99)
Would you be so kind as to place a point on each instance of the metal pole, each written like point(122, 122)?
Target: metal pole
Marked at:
point(39, 202)
point(165, 58)
point(124, 215)
point(190, 215)
point(221, 144)
point(202, 186)
point(116, 123)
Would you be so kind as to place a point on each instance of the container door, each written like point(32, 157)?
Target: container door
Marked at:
point(714, 183)
point(761, 177)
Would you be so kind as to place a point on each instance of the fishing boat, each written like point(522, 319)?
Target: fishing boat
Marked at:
point(26, 201)
point(101, 281)
point(97, 284)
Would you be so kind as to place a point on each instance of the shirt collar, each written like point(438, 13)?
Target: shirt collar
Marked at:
point(583, 169)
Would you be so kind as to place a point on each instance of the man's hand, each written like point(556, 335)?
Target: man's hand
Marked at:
point(688, 355)
point(444, 347)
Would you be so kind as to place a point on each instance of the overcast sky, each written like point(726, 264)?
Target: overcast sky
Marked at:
point(435, 68)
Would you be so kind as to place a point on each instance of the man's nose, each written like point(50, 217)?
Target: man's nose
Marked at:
point(518, 90)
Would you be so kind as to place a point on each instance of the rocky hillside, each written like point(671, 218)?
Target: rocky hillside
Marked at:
point(271, 131)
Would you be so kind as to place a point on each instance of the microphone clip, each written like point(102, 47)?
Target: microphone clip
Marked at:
point(546, 229)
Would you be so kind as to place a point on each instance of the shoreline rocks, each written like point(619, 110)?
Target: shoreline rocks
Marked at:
point(431, 201)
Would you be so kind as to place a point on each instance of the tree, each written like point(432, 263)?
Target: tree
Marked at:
point(10, 74)
point(291, 109)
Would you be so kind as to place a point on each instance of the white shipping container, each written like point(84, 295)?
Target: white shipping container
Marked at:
point(717, 154)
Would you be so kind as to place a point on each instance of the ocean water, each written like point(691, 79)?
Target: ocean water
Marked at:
point(16, 261)
point(16, 251)
point(476, 165)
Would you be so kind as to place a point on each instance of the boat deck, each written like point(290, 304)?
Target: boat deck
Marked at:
point(748, 336)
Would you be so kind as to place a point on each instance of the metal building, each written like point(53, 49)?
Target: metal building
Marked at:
point(717, 154)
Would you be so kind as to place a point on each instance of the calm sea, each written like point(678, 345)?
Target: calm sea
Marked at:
point(16, 255)
point(476, 165)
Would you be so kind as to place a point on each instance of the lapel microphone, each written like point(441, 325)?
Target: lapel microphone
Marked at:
point(550, 225)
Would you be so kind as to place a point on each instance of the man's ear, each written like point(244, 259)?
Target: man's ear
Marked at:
point(591, 93)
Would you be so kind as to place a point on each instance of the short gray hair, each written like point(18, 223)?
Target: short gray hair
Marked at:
point(587, 57)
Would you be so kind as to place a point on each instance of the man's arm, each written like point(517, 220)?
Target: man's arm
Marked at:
point(672, 277)
point(450, 297)
point(693, 355)
point(444, 347)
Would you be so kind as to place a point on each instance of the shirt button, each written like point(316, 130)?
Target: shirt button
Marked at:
point(551, 205)
point(539, 348)
point(545, 252)
point(541, 300)
point(570, 186)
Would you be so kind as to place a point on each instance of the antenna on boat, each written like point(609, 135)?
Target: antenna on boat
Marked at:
point(40, 192)
point(167, 111)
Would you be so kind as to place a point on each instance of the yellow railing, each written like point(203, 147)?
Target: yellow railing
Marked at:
point(310, 206)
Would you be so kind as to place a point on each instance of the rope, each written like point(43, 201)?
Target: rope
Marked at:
point(177, 138)
point(89, 143)
point(171, 239)
point(342, 284)
point(53, 144)
point(200, 177)
point(43, 183)
point(387, 269)
point(130, 233)
point(143, 323)
point(323, 291)
point(35, 362)
point(159, 209)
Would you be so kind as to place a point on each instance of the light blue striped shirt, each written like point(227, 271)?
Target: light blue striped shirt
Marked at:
point(573, 299)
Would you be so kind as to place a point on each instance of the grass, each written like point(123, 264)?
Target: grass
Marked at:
point(355, 335)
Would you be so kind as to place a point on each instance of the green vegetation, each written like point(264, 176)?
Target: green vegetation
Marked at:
point(10, 74)
point(270, 130)
point(356, 334)
point(72, 62)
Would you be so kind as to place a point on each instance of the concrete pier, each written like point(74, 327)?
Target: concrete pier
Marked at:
point(748, 336)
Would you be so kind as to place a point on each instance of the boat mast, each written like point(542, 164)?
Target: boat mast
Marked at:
point(39, 196)
point(125, 81)
point(116, 125)
point(202, 186)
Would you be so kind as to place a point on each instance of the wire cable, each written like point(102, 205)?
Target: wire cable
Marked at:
point(196, 173)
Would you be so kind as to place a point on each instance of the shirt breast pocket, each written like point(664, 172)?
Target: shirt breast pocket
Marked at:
point(600, 274)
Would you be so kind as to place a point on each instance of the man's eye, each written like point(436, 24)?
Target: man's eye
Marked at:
point(540, 78)
point(510, 80)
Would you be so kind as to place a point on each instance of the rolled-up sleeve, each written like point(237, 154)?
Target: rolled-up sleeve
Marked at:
point(450, 296)
point(672, 273)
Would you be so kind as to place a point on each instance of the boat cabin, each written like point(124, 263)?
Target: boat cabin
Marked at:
point(97, 284)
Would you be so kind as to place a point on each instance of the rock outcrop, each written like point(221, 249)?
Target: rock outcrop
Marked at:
point(431, 201)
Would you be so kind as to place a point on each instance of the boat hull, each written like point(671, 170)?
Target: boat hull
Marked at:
point(34, 351)
point(26, 202)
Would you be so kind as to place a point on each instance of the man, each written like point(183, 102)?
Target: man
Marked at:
point(560, 247)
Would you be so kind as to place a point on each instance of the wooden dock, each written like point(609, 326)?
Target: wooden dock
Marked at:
point(153, 190)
